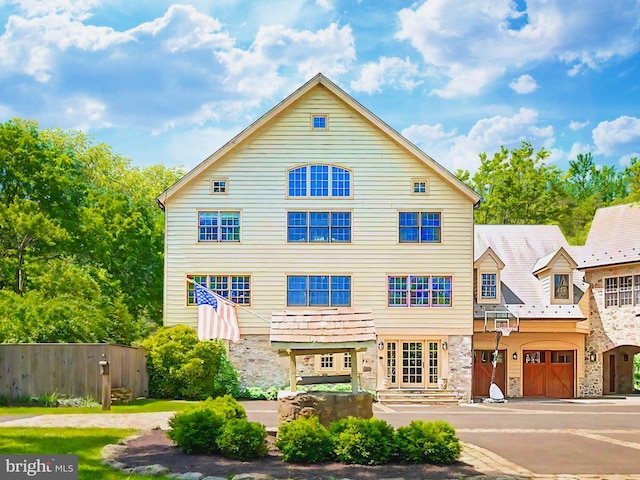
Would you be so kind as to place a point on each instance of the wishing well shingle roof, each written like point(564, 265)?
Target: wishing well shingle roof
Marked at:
point(322, 328)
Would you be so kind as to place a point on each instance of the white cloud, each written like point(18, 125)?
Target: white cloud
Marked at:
point(326, 4)
point(256, 70)
point(617, 137)
point(474, 43)
point(524, 84)
point(575, 125)
point(487, 135)
point(85, 113)
point(579, 148)
point(387, 71)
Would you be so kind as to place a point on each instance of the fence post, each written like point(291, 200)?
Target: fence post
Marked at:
point(106, 383)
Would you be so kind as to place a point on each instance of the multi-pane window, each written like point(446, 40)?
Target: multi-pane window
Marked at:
point(236, 288)
point(561, 286)
point(319, 227)
point(419, 291)
point(346, 361)
point(419, 227)
point(488, 287)
point(319, 122)
point(319, 290)
point(319, 181)
point(622, 291)
point(219, 186)
point(326, 361)
point(419, 187)
point(218, 226)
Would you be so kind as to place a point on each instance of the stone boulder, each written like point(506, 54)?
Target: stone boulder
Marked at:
point(327, 406)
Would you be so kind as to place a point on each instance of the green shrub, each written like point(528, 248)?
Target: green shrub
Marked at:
point(196, 430)
point(257, 393)
point(182, 367)
point(430, 442)
point(304, 440)
point(365, 441)
point(243, 439)
point(227, 407)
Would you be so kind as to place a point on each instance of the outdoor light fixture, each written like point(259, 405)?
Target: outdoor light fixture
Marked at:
point(444, 345)
point(380, 345)
point(514, 356)
point(593, 357)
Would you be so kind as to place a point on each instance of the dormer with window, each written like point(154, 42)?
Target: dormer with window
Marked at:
point(487, 269)
point(555, 271)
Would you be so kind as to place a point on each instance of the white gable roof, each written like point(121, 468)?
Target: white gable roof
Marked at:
point(526, 249)
point(614, 237)
point(322, 81)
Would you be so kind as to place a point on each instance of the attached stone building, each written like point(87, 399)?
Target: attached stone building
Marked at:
point(610, 261)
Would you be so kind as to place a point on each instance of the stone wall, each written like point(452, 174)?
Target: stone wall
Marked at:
point(257, 364)
point(609, 327)
point(514, 388)
point(460, 366)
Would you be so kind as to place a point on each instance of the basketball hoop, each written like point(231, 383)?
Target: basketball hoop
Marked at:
point(505, 331)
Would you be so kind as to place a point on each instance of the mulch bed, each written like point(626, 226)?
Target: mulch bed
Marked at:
point(153, 447)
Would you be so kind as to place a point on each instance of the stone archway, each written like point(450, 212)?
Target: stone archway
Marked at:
point(617, 370)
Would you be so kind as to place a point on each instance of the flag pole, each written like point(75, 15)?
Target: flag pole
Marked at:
point(229, 301)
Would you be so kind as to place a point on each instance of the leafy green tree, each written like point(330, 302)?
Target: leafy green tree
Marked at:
point(517, 187)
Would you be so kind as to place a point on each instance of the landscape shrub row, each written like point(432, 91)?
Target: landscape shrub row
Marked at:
point(367, 442)
point(221, 426)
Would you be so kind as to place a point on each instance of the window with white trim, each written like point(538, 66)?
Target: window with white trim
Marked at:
point(218, 226)
point(622, 291)
point(236, 288)
point(419, 291)
point(319, 181)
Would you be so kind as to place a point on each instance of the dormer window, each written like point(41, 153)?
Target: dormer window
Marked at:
point(489, 286)
point(561, 286)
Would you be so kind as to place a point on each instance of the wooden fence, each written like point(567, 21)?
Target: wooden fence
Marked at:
point(72, 369)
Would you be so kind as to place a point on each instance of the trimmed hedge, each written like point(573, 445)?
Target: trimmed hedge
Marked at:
point(428, 442)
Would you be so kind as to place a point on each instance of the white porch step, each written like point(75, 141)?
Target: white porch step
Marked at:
point(417, 396)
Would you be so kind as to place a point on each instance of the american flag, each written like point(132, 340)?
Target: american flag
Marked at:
point(217, 318)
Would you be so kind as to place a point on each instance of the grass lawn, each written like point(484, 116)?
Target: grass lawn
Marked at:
point(137, 406)
point(84, 442)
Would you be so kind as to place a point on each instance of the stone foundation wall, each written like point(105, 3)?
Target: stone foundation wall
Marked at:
point(257, 364)
point(327, 406)
point(460, 366)
point(609, 327)
point(514, 387)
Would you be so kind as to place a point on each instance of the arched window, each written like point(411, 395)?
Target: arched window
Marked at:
point(319, 180)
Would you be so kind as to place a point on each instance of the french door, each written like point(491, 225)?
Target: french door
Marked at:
point(412, 363)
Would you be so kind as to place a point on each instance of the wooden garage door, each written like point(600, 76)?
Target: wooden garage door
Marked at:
point(548, 373)
point(482, 368)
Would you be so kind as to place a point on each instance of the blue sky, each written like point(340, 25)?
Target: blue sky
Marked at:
point(170, 83)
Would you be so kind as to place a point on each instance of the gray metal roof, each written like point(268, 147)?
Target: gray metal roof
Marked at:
point(525, 249)
point(614, 237)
